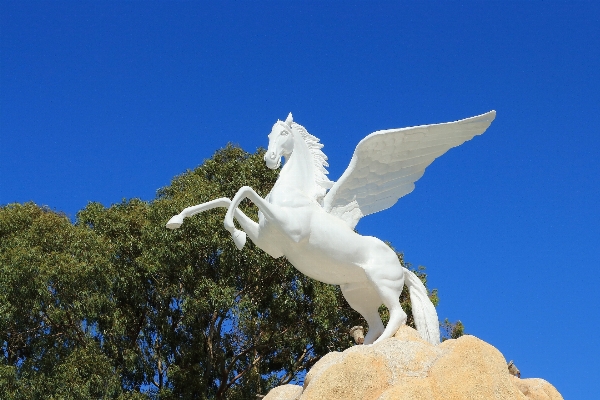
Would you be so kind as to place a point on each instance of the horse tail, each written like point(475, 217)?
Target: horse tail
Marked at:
point(424, 313)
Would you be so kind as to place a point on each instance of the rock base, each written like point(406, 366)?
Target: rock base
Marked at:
point(405, 367)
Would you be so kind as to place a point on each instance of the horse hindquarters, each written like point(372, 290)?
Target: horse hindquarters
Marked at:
point(385, 278)
point(389, 287)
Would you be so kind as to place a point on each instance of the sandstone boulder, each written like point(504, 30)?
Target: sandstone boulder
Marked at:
point(536, 389)
point(405, 367)
point(284, 392)
point(472, 369)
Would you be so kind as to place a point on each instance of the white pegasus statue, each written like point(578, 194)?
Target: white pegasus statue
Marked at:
point(310, 220)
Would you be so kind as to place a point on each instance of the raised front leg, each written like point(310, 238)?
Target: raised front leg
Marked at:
point(176, 221)
point(248, 225)
point(265, 207)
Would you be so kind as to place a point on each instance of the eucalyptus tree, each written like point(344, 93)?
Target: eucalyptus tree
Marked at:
point(54, 281)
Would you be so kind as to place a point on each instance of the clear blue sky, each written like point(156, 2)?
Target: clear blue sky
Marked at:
point(101, 101)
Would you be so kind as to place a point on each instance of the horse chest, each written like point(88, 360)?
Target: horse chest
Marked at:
point(290, 219)
point(288, 197)
point(292, 227)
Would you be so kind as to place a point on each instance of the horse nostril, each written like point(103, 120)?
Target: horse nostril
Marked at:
point(272, 155)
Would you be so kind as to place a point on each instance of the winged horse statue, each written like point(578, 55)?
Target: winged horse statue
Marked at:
point(310, 220)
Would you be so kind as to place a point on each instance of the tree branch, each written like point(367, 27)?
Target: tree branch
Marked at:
point(239, 375)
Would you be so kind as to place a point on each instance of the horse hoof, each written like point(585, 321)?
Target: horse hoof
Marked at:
point(239, 238)
point(175, 222)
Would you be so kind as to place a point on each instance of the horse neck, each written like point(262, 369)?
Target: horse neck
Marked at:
point(298, 170)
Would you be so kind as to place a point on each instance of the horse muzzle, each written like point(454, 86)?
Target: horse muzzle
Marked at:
point(272, 160)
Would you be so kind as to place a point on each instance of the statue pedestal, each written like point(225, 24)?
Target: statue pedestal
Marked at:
point(407, 367)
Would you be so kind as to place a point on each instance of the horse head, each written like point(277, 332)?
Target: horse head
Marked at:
point(281, 142)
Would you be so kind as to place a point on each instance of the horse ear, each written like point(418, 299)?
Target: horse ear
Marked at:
point(289, 120)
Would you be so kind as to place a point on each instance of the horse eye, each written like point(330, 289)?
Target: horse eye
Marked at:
point(284, 133)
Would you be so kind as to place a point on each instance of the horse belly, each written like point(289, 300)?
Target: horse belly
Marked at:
point(333, 253)
point(324, 268)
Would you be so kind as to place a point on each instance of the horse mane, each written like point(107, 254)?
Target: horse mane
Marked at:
point(319, 160)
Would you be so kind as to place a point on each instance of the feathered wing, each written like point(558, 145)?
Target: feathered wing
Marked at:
point(386, 164)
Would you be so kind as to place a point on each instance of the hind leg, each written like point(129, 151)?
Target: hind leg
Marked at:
point(389, 291)
point(385, 273)
point(363, 298)
point(391, 298)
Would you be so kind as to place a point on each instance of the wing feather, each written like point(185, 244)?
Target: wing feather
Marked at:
point(386, 164)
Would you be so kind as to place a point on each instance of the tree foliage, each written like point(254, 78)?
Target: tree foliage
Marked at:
point(116, 306)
